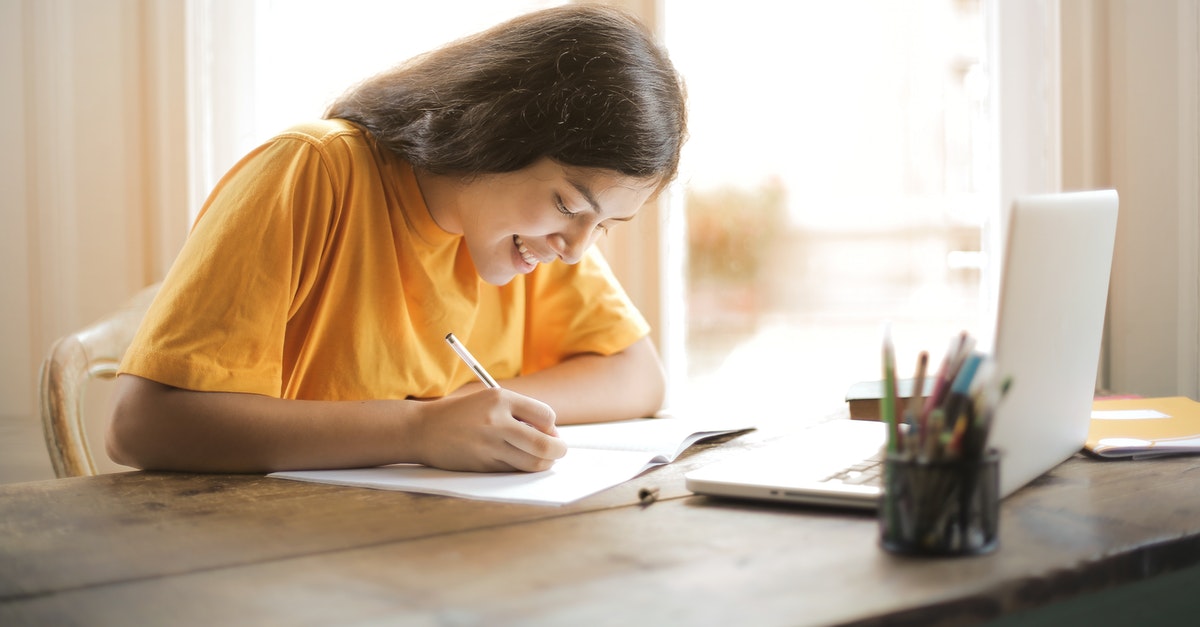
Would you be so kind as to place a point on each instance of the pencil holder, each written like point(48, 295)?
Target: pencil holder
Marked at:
point(940, 507)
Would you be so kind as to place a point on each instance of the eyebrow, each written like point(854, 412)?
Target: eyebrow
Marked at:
point(587, 194)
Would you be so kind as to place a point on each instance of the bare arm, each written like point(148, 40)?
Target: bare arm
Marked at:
point(597, 388)
point(156, 426)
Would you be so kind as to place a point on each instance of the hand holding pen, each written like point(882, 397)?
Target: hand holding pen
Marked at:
point(492, 430)
point(484, 376)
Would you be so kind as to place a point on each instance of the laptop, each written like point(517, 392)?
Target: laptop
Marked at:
point(1049, 323)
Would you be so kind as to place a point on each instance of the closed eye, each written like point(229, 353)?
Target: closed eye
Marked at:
point(562, 208)
point(603, 227)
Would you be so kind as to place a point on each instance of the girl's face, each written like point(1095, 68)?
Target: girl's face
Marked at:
point(545, 212)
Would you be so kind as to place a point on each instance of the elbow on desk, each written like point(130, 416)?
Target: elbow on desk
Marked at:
point(124, 440)
point(647, 380)
point(138, 429)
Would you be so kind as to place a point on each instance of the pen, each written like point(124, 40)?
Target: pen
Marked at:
point(940, 382)
point(933, 441)
point(989, 397)
point(471, 362)
point(964, 353)
point(960, 387)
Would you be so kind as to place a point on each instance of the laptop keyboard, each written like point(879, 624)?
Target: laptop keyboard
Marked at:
point(868, 472)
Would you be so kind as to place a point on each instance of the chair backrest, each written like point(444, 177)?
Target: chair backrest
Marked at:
point(73, 360)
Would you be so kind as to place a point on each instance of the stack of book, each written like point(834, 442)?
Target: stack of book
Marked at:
point(863, 397)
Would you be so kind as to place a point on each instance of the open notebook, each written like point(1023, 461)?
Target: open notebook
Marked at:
point(1054, 288)
point(599, 456)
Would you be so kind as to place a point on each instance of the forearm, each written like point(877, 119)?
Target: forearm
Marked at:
point(596, 388)
point(157, 426)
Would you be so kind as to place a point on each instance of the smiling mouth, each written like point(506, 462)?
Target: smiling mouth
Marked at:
point(528, 256)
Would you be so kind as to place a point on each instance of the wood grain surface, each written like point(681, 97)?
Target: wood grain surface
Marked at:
point(159, 548)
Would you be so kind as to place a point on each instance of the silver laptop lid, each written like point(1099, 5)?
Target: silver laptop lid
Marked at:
point(1049, 324)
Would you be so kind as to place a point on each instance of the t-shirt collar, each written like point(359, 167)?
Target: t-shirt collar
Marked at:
point(417, 211)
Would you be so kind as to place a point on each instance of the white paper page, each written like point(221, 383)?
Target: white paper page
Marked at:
point(1127, 414)
point(667, 437)
point(582, 472)
point(598, 456)
point(1145, 449)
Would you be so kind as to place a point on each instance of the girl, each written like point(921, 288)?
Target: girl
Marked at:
point(302, 325)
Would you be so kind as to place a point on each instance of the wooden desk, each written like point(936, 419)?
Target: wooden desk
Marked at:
point(162, 548)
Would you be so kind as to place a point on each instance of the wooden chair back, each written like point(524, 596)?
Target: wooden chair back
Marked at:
point(74, 360)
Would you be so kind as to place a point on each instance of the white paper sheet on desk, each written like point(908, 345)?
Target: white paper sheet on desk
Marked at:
point(598, 456)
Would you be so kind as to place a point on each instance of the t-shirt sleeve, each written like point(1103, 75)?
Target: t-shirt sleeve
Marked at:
point(576, 309)
point(219, 321)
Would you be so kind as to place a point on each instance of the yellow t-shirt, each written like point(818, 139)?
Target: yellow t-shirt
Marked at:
point(315, 271)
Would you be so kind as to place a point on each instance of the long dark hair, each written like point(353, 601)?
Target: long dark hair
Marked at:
point(584, 85)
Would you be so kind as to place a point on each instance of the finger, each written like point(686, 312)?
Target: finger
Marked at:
point(534, 413)
point(519, 459)
point(515, 459)
point(535, 443)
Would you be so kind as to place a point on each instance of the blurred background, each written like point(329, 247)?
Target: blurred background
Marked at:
point(849, 163)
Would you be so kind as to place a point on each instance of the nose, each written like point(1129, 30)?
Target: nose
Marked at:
point(570, 245)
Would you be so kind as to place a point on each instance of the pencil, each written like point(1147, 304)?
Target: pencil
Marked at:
point(887, 408)
point(915, 434)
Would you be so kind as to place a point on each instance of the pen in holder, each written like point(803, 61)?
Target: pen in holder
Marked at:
point(940, 506)
point(941, 493)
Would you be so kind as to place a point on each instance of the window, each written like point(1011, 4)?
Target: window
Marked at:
point(834, 179)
